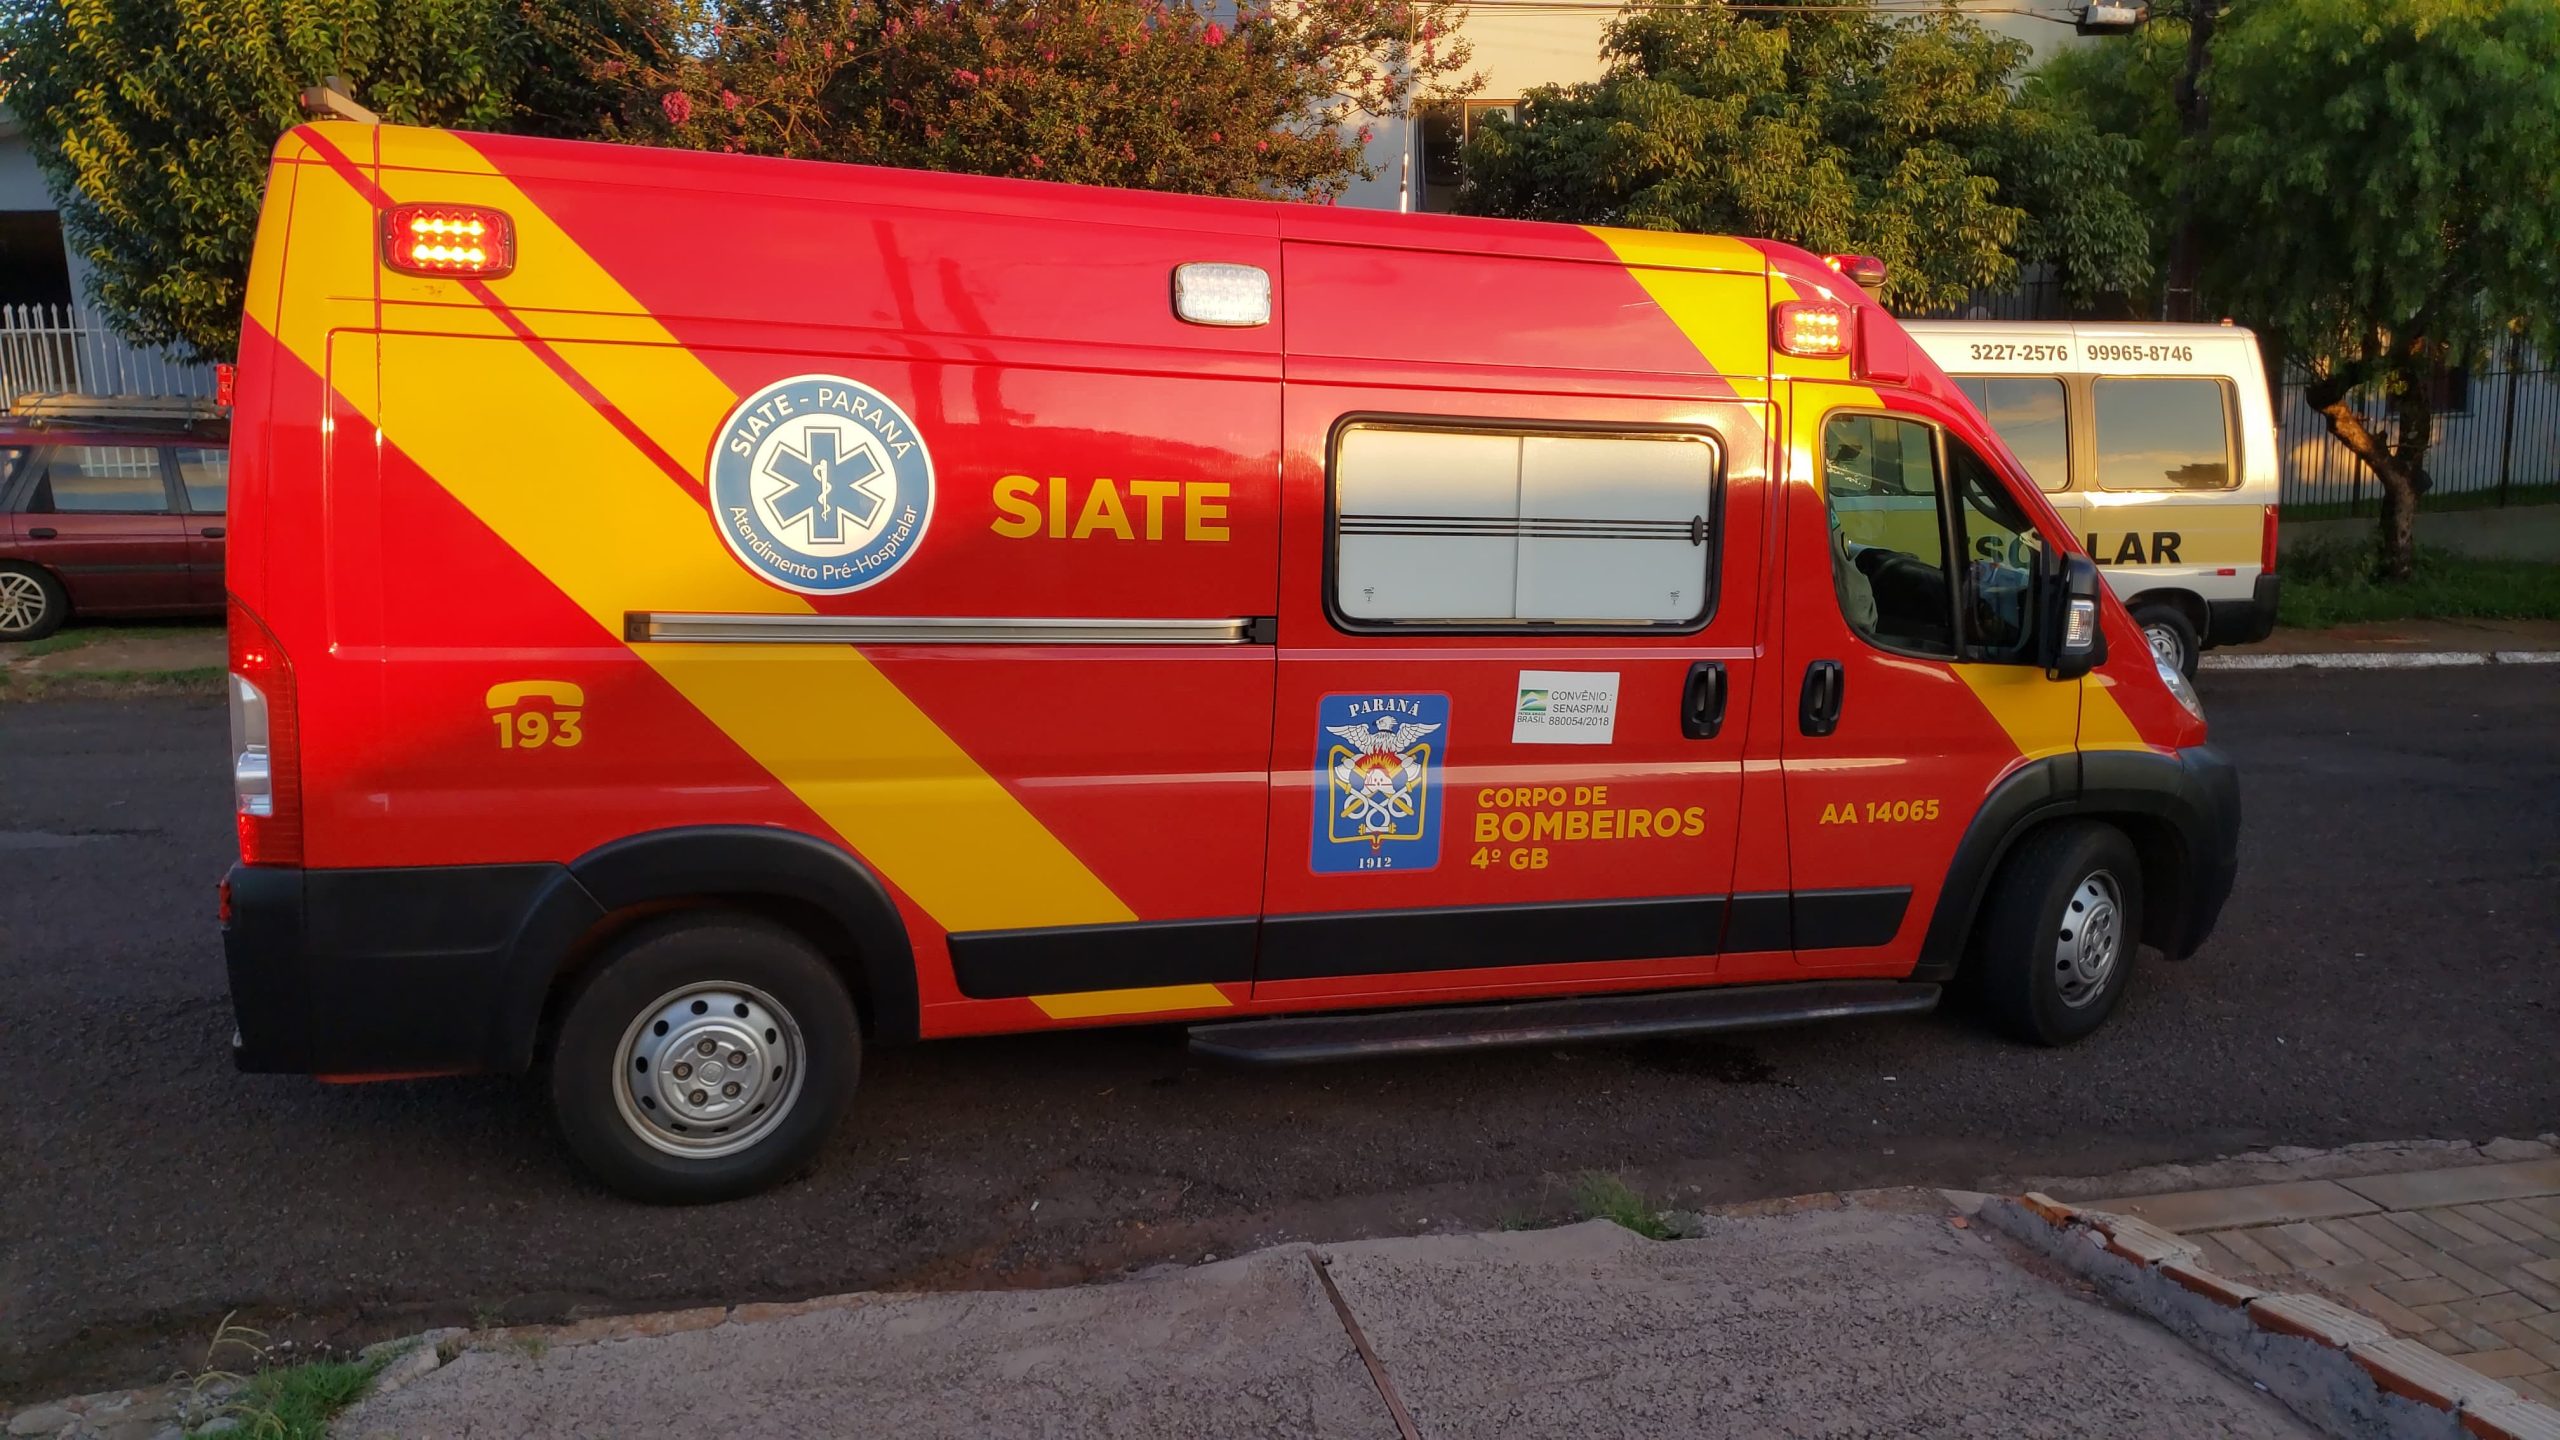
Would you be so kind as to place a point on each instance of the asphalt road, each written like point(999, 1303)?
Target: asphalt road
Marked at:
point(2386, 971)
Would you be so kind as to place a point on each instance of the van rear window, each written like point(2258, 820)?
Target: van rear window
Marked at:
point(2029, 411)
point(1486, 528)
point(2163, 433)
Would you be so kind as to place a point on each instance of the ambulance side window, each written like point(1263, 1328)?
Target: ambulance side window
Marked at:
point(1888, 547)
point(1517, 529)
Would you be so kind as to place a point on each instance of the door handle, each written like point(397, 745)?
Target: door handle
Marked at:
point(1818, 705)
point(1702, 701)
point(211, 532)
point(42, 532)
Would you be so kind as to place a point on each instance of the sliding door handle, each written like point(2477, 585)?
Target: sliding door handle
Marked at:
point(1702, 701)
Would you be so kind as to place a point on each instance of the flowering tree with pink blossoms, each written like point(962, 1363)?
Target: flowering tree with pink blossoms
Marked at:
point(1271, 100)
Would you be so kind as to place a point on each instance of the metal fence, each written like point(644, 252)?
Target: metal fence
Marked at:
point(54, 350)
point(2496, 442)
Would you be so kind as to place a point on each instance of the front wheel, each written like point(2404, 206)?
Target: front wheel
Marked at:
point(704, 1059)
point(2054, 946)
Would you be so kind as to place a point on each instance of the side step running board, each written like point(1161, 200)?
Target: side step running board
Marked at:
point(1304, 1039)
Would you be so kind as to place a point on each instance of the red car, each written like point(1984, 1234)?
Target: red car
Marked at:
point(102, 522)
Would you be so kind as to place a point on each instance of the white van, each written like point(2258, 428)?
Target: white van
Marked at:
point(2157, 443)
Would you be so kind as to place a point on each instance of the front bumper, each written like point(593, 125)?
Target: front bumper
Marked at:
point(2212, 796)
point(391, 972)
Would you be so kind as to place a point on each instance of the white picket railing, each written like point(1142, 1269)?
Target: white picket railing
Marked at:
point(64, 350)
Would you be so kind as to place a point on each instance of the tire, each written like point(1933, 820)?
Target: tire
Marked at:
point(640, 1019)
point(2171, 635)
point(32, 604)
point(2034, 968)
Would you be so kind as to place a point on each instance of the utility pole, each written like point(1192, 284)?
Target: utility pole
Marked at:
point(2178, 296)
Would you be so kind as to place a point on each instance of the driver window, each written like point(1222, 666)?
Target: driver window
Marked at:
point(1888, 551)
point(2002, 554)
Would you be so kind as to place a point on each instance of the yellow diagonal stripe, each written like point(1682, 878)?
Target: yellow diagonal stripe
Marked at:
point(511, 440)
point(1714, 288)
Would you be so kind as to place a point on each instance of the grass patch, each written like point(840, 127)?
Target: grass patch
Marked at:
point(2333, 584)
point(1598, 1195)
point(112, 684)
point(279, 1402)
point(298, 1401)
point(80, 637)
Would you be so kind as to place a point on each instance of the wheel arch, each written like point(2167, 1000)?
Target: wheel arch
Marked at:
point(2186, 602)
point(814, 888)
point(2180, 811)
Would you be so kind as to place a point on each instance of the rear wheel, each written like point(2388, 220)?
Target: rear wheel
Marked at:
point(2054, 947)
point(703, 1060)
point(32, 605)
point(2171, 636)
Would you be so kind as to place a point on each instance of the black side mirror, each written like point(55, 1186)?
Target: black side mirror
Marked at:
point(2072, 642)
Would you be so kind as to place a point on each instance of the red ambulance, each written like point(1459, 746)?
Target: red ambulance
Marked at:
point(695, 618)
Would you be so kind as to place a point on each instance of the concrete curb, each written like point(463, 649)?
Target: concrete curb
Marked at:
point(2380, 660)
point(2336, 1369)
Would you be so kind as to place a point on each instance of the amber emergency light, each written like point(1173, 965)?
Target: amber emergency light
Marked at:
point(1864, 270)
point(460, 240)
point(1817, 329)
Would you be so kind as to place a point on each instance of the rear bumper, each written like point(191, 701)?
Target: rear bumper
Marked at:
point(2244, 622)
point(393, 972)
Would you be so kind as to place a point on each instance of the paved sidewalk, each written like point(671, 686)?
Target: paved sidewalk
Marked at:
point(1855, 1320)
point(2409, 635)
point(2465, 1260)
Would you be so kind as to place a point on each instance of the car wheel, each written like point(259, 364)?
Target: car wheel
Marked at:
point(2054, 947)
point(704, 1059)
point(2171, 636)
point(32, 605)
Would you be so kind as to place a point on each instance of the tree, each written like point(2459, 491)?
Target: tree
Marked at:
point(2374, 194)
point(1832, 127)
point(1134, 93)
point(153, 120)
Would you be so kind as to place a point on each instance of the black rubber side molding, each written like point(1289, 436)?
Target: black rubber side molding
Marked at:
point(1300, 1040)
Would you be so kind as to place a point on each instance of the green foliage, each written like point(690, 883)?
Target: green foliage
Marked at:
point(2373, 192)
point(1133, 93)
point(2378, 178)
point(1599, 1195)
point(2334, 584)
point(299, 1401)
point(1835, 129)
point(153, 120)
point(2123, 86)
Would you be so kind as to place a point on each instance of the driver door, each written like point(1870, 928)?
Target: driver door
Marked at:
point(1910, 644)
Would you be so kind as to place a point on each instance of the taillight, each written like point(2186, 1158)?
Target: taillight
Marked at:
point(1814, 328)
point(469, 240)
point(266, 769)
point(2267, 544)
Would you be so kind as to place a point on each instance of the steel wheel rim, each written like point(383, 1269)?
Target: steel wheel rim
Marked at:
point(708, 1070)
point(2090, 940)
point(21, 603)
point(2165, 645)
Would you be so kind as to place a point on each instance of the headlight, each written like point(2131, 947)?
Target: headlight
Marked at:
point(2179, 686)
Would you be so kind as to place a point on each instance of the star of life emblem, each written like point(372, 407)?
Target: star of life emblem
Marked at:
point(820, 484)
